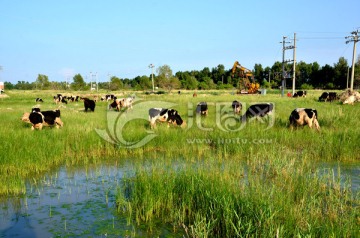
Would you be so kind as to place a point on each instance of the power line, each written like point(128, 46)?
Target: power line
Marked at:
point(321, 38)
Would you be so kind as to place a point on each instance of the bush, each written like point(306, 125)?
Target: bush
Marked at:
point(306, 86)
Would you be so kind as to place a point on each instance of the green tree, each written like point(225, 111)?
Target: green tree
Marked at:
point(165, 78)
point(340, 73)
point(356, 74)
point(218, 73)
point(115, 83)
point(259, 73)
point(78, 83)
point(42, 82)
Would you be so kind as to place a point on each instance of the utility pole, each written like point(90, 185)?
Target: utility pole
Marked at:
point(283, 83)
point(294, 65)
point(347, 79)
point(152, 76)
point(109, 80)
point(355, 38)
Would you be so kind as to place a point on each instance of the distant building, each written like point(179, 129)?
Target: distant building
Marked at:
point(2, 87)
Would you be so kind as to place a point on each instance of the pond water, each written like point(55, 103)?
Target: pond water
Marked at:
point(72, 203)
point(80, 202)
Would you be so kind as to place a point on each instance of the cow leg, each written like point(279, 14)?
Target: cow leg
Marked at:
point(316, 123)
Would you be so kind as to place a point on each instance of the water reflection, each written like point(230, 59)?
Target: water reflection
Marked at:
point(70, 202)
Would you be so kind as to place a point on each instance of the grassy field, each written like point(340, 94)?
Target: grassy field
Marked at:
point(215, 178)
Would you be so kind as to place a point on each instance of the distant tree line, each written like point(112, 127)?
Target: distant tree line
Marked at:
point(308, 76)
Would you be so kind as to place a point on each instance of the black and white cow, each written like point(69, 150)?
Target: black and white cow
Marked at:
point(73, 98)
point(236, 106)
point(171, 116)
point(202, 108)
point(89, 104)
point(304, 116)
point(258, 110)
point(39, 100)
point(38, 118)
point(124, 103)
point(299, 94)
point(324, 97)
point(109, 97)
point(114, 105)
point(328, 97)
point(60, 99)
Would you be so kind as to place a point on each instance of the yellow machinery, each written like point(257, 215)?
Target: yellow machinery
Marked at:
point(245, 77)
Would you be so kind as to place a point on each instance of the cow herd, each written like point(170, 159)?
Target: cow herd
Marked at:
point(298, 117)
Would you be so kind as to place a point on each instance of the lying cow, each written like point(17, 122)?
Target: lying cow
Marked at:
point(299, 94)
point(170, 116)
point(202, 109)
point(25, 117)
point(89, 104)
point(38, 118)
point(236, 106)
point(304, 116)
point(258, 110)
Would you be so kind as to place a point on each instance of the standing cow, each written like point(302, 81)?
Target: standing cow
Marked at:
point(89, 104)
point(202, 108)
point(304, 116)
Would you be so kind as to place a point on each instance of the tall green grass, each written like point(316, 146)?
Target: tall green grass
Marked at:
point(267, 196)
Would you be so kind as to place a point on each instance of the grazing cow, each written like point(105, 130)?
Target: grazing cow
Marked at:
point(73, 98)
point(60, 99)
point(39, 100)
point(114, 105)
point(258, 110)
point(328, 96)
point(38, 118)
point(304, 116)
point(324, 97)
point(299, 94)
point(202, 109)
point(89, 104)
point(170, 116)
point(124, 103)
point(236, 106)
point(333, 96)
point(109, 97)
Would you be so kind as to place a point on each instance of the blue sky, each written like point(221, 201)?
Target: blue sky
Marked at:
point(121, 38)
